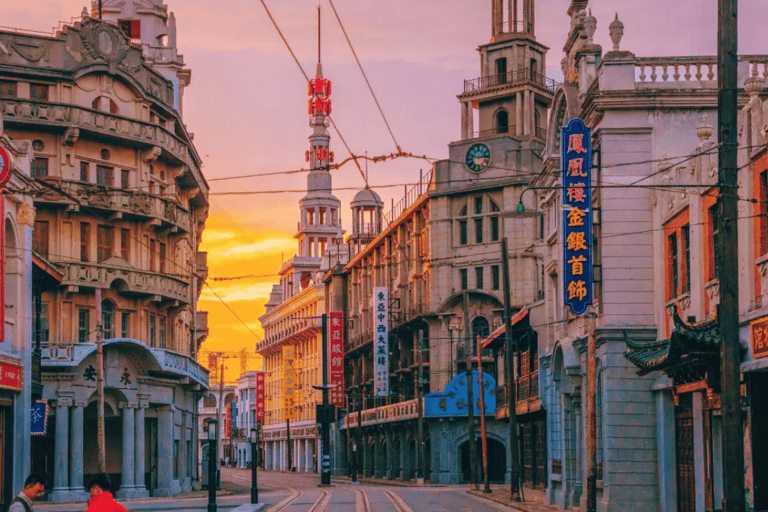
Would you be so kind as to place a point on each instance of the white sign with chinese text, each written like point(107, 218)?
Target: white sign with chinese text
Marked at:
point(381, 341)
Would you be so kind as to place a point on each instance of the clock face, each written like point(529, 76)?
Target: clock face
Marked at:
point(478, 157)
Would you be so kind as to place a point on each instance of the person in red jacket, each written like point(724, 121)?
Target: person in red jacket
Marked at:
point(101, 499)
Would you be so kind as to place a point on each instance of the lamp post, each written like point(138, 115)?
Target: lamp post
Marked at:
point(254, 452)
point(213, 460)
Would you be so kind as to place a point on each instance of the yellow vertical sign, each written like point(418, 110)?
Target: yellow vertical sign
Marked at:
point(289, 381)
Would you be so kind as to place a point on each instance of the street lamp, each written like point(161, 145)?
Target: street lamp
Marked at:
point(254, 451)
point(325, 414)
point(213, 460)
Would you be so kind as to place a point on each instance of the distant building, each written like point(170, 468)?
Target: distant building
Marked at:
point(119, 208)
point(246, 419)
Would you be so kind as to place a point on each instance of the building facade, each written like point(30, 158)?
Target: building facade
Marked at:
point(120, 206)
point(440, 259)
point(292, 344)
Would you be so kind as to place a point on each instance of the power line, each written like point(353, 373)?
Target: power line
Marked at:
point(365, 77)
point(233, 311)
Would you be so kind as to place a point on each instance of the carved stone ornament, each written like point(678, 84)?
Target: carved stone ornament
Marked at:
point(104, 42)
point(704, 130)
point(616, 29)
point(590, 25)
point(26, 215)
point(141, 203)
point(29, 49)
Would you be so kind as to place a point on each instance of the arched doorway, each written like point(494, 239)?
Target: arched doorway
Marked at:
point(396, 465)
point(113, 430)
point(412, 458)
point(371, 466)
point(384, 459)
point(497, 461)
point(502, 121)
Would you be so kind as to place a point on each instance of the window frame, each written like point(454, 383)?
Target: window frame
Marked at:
point(464, 279)
point(101, 172)
point(479, 278)
point(40, 167)
point(83, 325)
point(105, 242)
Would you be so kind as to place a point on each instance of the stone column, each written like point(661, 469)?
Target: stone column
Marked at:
point(165, 450)
point(404, 464)
point(183, 450)
point(527, 114)
point(518, 114)
point(76, 449)
point(61, 462)
point(139, 444)
point(129, 443)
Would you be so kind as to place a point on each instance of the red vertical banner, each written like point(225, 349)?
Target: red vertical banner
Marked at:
point(213, 369)
point(228, 422)
point(336, 363)
point(260, 396)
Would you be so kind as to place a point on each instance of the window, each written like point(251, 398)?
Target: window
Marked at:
point(501, 70)
point(125, 325)
point(152, 331)
point(494, 277)
point(161, 331)
point(40, 238)
point(162, 258)
point(502, 121)
point(131, 29)
point(152, 252)
point(41, 334)
point(85, 172)
point(494, 228)
point(39, 167)
point(103, 176)
point(714, 236)
point(674, 261)
point(85, 241)
point(38, 145)
point(105, 154)
point(83, 325)
point(38, 92)
point(479, 278)
point(479, 230)
point(478, 205)
point(125, 177)
point(463, 240)
point(480, 327)
point(7, 89)
point(107, 319)
point(125, 244)
point(686, 232)
point(105, 240)
point(463, 278)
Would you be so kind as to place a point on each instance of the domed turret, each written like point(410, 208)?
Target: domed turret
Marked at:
point(367, 218)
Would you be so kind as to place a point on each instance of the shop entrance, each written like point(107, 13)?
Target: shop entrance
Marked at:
point(759, 400)
point(686, 479)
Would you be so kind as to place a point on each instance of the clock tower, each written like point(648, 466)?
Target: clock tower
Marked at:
point(512, 94)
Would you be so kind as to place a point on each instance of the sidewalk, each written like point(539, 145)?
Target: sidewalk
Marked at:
point(534, 499)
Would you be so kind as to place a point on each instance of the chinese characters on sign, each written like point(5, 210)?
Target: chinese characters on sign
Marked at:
point(336, 363)
point(39, 418)
point(289, 382)
point(381, 341)
point(10, 377)
point(577, 215)
point(260, 396)
point(760, 339)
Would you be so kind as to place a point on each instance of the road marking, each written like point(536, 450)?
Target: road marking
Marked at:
point(398, 502)
point(295, 493)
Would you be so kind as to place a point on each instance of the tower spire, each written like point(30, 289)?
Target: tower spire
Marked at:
point(319, 43)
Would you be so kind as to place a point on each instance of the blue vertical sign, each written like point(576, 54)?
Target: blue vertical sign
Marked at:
point(576, 161)
point(233, 404)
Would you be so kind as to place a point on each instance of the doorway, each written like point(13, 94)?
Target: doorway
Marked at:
point(497, 461)
point(686, 479)
point(759, 399)
point(151, 455)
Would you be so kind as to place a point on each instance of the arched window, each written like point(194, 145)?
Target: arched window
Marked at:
point(502, 121)
point(480, 327)
point(209, 401)
point(108, 319)
point(105, 105)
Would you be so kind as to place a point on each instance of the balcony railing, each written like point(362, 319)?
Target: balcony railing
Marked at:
point(410, 197)
point(501, 397)
point(130, 202)
point(67, 116)
point(528, 386)
point(295, 328)
point(130, 281)
point(510, 78)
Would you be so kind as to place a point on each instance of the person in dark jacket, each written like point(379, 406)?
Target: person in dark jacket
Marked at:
point(101, 499)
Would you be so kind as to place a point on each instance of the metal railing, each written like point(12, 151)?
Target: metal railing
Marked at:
point(510, 78)
point(528, 386)
point(410, 197)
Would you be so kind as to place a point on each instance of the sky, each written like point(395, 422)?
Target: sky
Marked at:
point(246, 104)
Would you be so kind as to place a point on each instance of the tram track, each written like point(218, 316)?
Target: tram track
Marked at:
point(318, 506)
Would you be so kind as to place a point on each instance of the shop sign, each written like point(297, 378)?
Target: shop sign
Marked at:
point(289, 381)
point(10, 376)
point(577, 215)
point(381, 341)
point(259, 396)
point(39, 418)
point(336, 362)
point(760, 338)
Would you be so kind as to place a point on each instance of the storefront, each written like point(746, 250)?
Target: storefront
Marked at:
point(10, 387)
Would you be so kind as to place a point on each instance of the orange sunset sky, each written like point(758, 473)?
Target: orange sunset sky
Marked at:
point(246, 104)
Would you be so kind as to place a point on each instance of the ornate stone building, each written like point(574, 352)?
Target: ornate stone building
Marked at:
point(440, 257)
point(658, 434)
point(120, 206)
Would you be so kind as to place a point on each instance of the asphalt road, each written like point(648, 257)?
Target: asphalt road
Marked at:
point(291, 492)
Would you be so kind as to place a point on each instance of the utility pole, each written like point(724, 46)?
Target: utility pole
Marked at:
point(591, 417)
point(100, 433)
point(288, 450)
point(483, 432)
point(728, 273)
point(470, 398)
point(420, 411)
point(220, 434)
point(514, 458)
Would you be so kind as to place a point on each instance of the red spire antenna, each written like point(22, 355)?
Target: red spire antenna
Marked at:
point(318, 32)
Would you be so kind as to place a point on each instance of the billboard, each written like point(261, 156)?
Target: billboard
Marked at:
point(381, 341)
